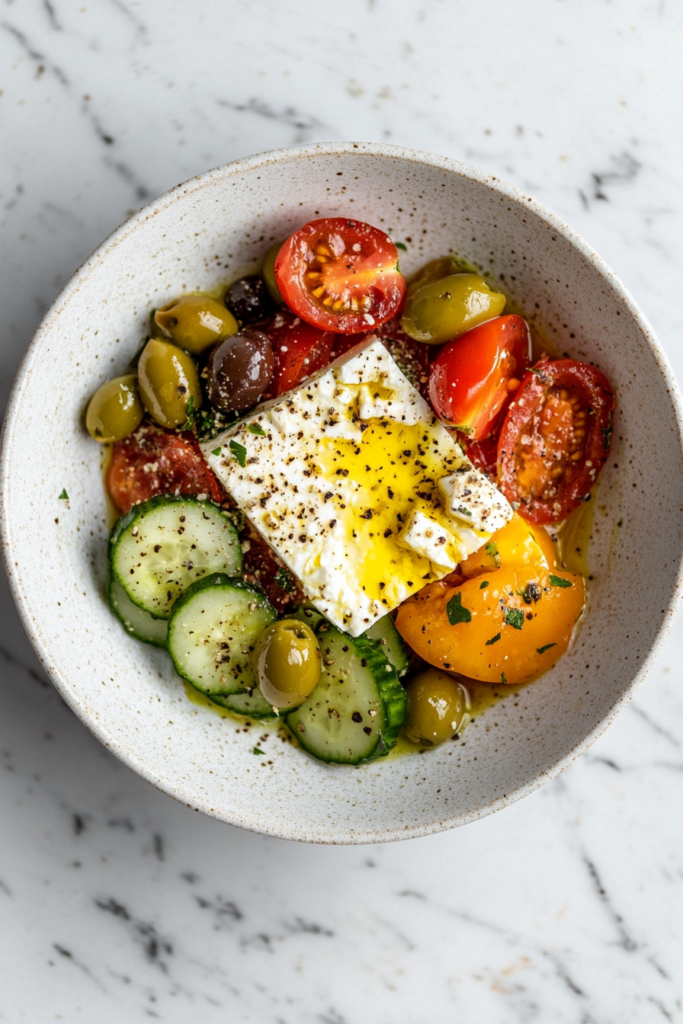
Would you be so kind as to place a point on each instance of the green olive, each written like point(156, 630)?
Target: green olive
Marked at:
point(446, 308)
point(268, 271)
point(437, 708)
point(287, 663)
point(195, 322)
point(444, 266)
point(168, 379)
point(115, 409)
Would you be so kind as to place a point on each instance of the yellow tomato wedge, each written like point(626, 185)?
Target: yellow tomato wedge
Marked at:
point(505, 626)
point(517, 543)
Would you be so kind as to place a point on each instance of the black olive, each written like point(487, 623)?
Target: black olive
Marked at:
point(248, 300)
point(239, 370)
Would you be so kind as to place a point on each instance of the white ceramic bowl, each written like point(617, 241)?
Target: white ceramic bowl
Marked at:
point(211, 229)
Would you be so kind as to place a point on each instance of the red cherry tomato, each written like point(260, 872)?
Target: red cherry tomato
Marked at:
point(261, 567)
point(555, 439)
point(153, 461)
point(413, 358)
point(340, 275)
point(474, 376)
point(299, 350)
point(484, 454)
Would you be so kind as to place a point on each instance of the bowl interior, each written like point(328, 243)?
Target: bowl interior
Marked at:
point(207, 231)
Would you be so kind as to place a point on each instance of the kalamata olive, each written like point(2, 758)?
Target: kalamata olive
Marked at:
point(168, 379)
point(287, 663)
point(239, 370)
point(115, 409)
point(437, 708)
point(195, 322)
point(248, 300)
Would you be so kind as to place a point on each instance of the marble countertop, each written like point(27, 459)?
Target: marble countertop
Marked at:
point(117, 903)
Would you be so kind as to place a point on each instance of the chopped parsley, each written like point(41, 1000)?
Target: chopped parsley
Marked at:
point(285, 580)
point(216, 451)
point(64, 496)
point(492, 552)
point(258, 751)
point(503, 677)
point(189, 412)
point(239, 452)
point(455, 611)
point(607, 433)
point(542, 650)
point(256, 428)
point(493, 640)
point(464, 511)
point(558, 581)
point(484, 585)
point(514, 617)
point(400, 245)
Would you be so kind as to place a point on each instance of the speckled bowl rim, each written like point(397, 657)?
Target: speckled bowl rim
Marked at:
point(246, 166)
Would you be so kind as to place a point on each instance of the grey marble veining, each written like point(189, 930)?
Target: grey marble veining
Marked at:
point(115, 902)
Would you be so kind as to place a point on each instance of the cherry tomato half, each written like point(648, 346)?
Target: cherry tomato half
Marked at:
point(413, 358)
point(340, 275)
point(152, 461)
point(299, 350)
point(474, 376)
point(555, 439)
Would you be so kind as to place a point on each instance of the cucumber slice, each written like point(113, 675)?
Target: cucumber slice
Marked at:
point(162, 546)
point(357, 709)
point(212, 632)
point(308, 614)
point(251, 703)
point(396, 651)
point(136, 621)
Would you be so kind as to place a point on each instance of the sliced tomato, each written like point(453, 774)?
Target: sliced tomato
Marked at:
point(299, 350)
point(340, 275)
point(153, 461)
point(474, 376)
point(262, 567)
point(413, 358)
point(484, 454)
point(555, 439)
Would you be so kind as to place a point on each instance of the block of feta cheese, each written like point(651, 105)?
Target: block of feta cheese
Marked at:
point(341, 477)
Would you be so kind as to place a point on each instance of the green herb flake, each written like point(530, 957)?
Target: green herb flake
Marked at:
point(493, 640)
point(492, 552)
point(256, 428)
point(464, 511)
point(514, 617)
point(239, 452)
point(400, 245)
point(285, 580)
point(542, 650)
point(189, 412)
point(558, 581)
point(503, 677)
point(484, 585)
point(64, 496)
point(259, 752)
point(216, 451)
point(607, 433)
point(455, 611)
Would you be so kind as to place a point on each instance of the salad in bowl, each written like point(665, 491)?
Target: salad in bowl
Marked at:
point(238, 354)
point(338, 492)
